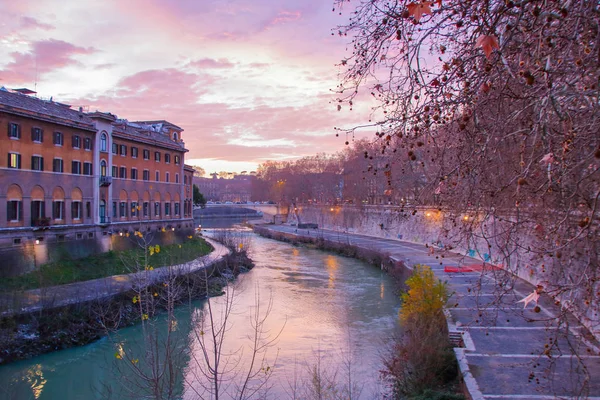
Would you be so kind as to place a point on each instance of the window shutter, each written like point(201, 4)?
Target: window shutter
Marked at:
point(8, 160)
point(21, 210)
point(19, 131)
point(32, 134)
point(73, 141)
point(41, 135)
point(18, 161)
point(8, 129)
point(32, 160)
point(41, 163)
point(8, 211)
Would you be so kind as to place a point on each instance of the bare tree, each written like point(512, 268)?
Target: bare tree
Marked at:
point(494, 107)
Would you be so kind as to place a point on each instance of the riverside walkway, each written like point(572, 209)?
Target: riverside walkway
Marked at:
point(508, 351)
point(96, 289)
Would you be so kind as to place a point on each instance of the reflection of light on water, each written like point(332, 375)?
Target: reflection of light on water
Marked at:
point(381, 290)
point(295, 252)
point(331, 263)
point(35, 378)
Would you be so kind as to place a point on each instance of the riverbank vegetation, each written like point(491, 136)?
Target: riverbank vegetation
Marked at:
point(421, 363)
point(69, 270)
point(51, 328)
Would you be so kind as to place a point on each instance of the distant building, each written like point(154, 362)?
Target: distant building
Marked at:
point(237, 189)
point(66, 174)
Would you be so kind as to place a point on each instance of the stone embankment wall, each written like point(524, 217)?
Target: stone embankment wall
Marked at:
point(470, 235)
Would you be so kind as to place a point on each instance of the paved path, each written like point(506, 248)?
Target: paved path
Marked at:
point(36, 299)
point(510, 352)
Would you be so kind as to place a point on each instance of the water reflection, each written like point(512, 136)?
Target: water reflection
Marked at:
point(336, 311)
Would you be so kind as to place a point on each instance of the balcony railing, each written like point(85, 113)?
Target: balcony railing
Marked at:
point(38, 222)
point(105, 220)
point(105, 180)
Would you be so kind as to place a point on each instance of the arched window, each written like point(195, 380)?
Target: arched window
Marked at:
point(175, 136)
point(103, 168)
point(103, 142)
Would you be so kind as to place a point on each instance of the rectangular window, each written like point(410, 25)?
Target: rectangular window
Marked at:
point(157, 209)
point(146, 207)
point(87, 144)
point(14, 130)
point(185, 179)
point(14, 160)
point(88, 209)
point(114, 213)
point(87, 168)
point(38, 211)
point(123, 209)
point(76, 141)
point(134, 152)
point(57, 138)
point(167, 177)
point(176, 178)
point(76, 210)
point(134, 173)
point(176, 206)
point(167, 158)
point(177, 160)
point(123, 150)
point(37, 163)
point(76, 167)
point(58, 209)
point(14, 210)
point(37, 135)
point(146, 176)
point(157, 156)
point(167, 209)
point(115, 172)
point(122, 172)
point(115, 148)
point(57, 165)
point(146, 154)
point(134, 210)
point(157, 176)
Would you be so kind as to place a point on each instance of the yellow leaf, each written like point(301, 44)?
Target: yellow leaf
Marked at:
point(135, 299)
point(118, 356)
point(144, 317)
point(155, 294)
point(135, 361)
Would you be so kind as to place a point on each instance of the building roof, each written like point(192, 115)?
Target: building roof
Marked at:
point(157, 122)
point(125, 130)
point(46, 110)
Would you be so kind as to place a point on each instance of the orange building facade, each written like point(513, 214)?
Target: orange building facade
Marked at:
point(67, 175)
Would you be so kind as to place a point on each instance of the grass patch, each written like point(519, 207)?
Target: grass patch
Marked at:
point(104, 264)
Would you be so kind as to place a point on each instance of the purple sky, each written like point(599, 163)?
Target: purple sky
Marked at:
point(248, 80)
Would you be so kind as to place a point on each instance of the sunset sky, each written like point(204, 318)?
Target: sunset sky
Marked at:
point(248, 80)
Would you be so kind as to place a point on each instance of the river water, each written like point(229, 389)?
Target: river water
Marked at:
point(334, 314)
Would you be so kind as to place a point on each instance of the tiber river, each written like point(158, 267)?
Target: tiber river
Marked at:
point(334, 314)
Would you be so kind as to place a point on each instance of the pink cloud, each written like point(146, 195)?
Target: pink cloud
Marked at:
point(45, 56)
point(210, 63)
point(32, 23)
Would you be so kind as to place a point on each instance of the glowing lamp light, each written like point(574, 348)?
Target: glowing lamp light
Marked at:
point(466, 217)
point(428, 214)
point(37, 241)
point(331, 209)
point(120, 233)
point(173, 229)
